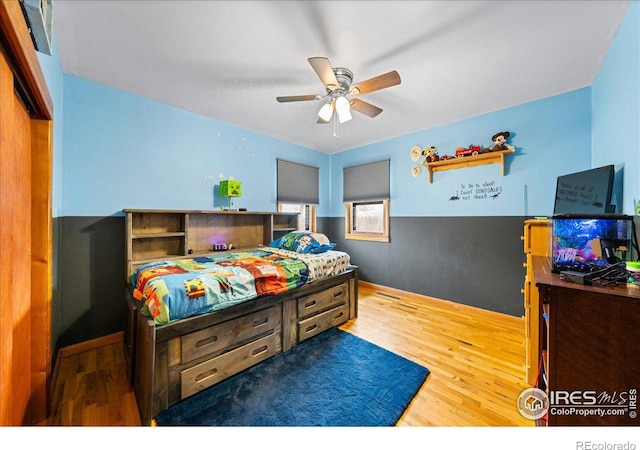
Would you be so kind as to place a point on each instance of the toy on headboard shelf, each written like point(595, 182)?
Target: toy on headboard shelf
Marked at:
point(230, 188)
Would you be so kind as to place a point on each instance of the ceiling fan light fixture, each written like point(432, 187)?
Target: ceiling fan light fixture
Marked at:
point(326, 111)
point(342, 104)
point(337, 83)
point(344, 116)
point(343, 109)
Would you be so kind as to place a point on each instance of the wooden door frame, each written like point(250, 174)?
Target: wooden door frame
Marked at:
point(16, 44)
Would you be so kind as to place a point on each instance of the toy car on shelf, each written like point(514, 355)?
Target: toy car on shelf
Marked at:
point(469, 151)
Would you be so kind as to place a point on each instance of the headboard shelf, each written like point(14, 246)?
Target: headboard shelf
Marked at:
point(156, 234)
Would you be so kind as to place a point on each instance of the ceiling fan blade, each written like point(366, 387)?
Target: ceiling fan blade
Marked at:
point(364, 107)
point(376, 83)
point(297, 98)
point(320, 120)
point(323, 68)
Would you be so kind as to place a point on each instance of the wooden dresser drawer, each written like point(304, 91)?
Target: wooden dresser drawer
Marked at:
point(314, 303)
point(230, 333)
point(320, 322)
point(216, 369)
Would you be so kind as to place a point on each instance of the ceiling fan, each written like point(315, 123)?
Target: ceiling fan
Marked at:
point(337, 81)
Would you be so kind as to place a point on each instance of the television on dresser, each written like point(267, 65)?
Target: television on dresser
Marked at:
point(586, 192)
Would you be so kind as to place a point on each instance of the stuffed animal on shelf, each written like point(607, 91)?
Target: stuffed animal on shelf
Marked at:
point(430, 155)
point(500, 142)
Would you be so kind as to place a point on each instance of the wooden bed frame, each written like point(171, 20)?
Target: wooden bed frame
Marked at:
point(171, 362)
point(168, 363)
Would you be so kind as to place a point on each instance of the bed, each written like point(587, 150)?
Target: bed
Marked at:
point(192, 322)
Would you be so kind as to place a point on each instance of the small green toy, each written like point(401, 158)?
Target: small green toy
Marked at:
point(230, 188)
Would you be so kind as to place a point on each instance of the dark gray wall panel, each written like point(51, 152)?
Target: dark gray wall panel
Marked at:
point(475, 261)
point(323, 225)
point(470, 260)
point(89, 268)
point(91, 284)
point(56, 310)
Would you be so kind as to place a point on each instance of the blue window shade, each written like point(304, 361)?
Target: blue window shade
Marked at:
point(366, 182)
point(298, 183)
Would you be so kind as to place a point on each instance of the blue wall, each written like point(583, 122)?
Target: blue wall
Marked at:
point(125, 151)
point(109, 135)
point(616, 109)
point(54, 76)
point(551, 136)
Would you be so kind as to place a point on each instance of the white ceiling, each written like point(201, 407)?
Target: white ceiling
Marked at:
point(230, 59)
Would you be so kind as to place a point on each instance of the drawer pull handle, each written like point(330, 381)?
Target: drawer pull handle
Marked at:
point(338, 294)
point(311, 328)
point(207, 374)
point(207, 341)
point(310, 304)
point(339, 315)
point(257, 351)
point(259, 323)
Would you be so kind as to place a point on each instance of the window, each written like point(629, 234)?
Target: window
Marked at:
point(307, 218)
point(366, 197)
point(367, 221)
point(298, 191)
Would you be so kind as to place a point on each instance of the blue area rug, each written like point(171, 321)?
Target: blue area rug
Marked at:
point(333, 379)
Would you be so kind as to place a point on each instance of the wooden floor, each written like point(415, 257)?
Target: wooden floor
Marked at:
point(476, 359)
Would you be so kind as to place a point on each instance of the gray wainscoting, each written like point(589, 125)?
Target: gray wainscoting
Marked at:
point(88, 301)
point(471, 260)
point(475, 261)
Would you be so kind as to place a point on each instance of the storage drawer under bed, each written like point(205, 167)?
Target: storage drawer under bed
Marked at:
point(221, 367)
point(314, 325)
point(320, 301)
point(231, 333)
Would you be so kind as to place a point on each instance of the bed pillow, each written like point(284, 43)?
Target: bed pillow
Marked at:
point(303, 242)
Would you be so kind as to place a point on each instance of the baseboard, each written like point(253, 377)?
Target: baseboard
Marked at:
point(449, 304)
point(91, 344)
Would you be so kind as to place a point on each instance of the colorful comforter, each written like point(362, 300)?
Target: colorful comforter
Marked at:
point(179, 288)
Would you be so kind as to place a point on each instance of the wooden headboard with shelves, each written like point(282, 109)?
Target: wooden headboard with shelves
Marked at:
point(155, 235)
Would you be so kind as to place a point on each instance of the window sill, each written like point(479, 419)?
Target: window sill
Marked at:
point(367, 237)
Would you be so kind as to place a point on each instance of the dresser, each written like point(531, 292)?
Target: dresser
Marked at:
point(591, 351)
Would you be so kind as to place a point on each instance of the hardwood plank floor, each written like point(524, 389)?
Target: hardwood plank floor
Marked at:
point(91, 389)
point(476, 359)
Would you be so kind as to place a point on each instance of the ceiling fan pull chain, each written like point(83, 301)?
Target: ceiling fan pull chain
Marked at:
point(335, 125)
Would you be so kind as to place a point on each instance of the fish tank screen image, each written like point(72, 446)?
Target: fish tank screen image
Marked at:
point(584, 243)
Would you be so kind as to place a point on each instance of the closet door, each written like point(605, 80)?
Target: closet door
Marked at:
point(15, 253)
point(26, 262)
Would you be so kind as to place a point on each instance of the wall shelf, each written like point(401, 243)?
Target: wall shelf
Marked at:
point(468, 161)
